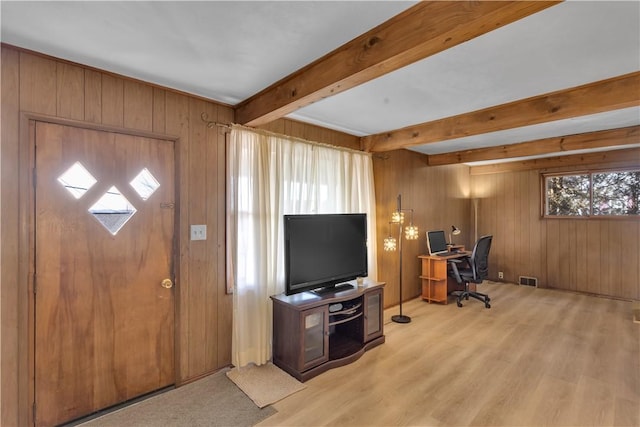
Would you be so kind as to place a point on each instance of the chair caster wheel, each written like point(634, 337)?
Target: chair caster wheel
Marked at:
point(459, 303)
point(487, 305)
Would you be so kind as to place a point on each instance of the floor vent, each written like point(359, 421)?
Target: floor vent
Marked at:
point(528, 281)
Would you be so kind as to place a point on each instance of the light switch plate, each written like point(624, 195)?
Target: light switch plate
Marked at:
point(198, 232)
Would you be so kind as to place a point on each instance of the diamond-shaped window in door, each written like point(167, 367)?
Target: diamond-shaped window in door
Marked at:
point(113, 210)
point(77, 180)
point(145, 184)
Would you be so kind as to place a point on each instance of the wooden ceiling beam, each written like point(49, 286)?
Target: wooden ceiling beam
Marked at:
point(625, 158)
point(600, 139)
point(605, 95)
point(423, 30)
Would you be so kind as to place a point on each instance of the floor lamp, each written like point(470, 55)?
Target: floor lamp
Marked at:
point(390, 244)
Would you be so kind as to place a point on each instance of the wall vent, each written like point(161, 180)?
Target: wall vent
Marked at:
point(528, 281)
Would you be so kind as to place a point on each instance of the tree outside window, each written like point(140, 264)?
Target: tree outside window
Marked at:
point(606, 193)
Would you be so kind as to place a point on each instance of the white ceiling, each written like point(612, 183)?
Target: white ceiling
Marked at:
point(228, 51)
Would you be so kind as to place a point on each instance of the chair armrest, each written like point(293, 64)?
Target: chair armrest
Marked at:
point(454, 268)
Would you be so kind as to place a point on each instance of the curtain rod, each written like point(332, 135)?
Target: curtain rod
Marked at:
point(211, 124)
point(302, 140)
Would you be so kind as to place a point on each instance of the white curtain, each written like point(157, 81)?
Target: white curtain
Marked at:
point(270, 176)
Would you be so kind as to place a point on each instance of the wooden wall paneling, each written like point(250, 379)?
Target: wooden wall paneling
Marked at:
point(631, 256)
point(436, 192)
point(415, 197)
point(604, 287)
point(580, 253)
point(581, 260)
point(138, 105)
point(210, 280)
point(92, 96)
point(537, 232)
point(38, 84)
point(412, 198)
point(490, 225)
point(480, 186)
point(475, 206)
point(562, 253)
point(476, 184)
point(112, 100)
point(439, 197)
point(553, 254)
point(225, 300)
point(520, 232)
point(38, 94)
point(571, 247)
point(70, 91)
point(386, 179)
point(510, 226)
point(498, 245)
point(463, 206)
point(177, 123)
point(618, 235)
point(494, 210)
point(43, 86)
point(276, 126)
point(198, 261)
point(312, 133)
point(9, 226)
point(592, 284)
point(530, 237)
point(159, 111)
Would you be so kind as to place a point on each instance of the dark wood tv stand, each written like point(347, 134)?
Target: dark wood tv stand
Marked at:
point(313, 333)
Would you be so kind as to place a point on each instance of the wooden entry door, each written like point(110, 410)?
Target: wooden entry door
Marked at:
point(104, 225)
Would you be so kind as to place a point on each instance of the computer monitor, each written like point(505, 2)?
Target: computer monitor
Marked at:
point(436, 242)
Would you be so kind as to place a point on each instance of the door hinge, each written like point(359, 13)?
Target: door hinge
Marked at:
point(34, 412)
point(35, 284)
point(34, 176)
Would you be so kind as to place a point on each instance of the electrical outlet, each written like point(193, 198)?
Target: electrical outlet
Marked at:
point(500, 275)
point(198, 232)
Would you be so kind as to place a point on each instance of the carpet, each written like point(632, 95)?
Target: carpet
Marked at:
point(265, 384)
point(212, 401)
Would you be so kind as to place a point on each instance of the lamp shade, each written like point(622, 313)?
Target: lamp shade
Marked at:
point(411, 232)
point(397, 217)
point(389, 244)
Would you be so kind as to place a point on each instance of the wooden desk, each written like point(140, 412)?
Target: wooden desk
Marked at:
point(436, 284)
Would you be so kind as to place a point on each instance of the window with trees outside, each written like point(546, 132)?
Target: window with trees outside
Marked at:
point(592, 194)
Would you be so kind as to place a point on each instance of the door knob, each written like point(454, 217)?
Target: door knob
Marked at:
point(167, 283)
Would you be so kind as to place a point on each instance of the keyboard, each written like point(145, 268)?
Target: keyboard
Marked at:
point(447, 253)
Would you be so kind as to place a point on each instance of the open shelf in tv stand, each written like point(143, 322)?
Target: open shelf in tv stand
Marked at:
point(309, 339)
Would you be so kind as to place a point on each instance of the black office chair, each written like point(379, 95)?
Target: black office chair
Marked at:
point(476, 271)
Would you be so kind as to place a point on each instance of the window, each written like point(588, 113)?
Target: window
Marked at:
point(592, 194)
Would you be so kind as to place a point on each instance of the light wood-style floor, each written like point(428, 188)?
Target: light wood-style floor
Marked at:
point(537, 358)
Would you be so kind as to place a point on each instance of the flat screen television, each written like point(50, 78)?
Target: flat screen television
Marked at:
point(436, 242)
point(324, 250)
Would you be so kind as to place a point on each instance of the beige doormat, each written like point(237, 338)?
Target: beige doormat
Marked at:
point(264, 384)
